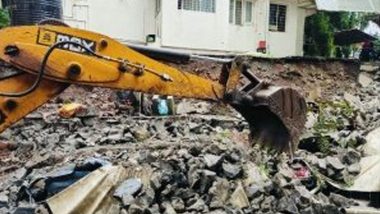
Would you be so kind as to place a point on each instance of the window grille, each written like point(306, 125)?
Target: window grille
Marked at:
point(197, 5)
point(277, 17)
point(232, 9)
point(241, 12)
point(238, 12)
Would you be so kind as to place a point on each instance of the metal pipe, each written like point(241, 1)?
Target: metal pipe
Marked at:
point(175, 56)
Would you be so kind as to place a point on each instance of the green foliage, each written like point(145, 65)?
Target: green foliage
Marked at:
point(366, 17)
point(320, 28)
point(320, 35)
point(264, 169)
point(4, 18)
point(331, 118)
point(377, 45)
point(332, 115)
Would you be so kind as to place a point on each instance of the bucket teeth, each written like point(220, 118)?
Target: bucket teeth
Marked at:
point(276, 115)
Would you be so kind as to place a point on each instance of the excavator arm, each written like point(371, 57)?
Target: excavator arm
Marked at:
point(47, 59)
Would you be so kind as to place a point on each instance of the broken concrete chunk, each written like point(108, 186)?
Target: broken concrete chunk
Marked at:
point(115, 134)
point(198, 206)
point(353, 100)
point(372, 147)
point(232, 171)
point(239, 199)
point(3, 198)
point(254, 191)
point(130, 187)
point(304, 194)
point(364, 79)
point(155, 180)
point(335, 163)
point(339, 200)
point(206, 179)
point(354, 169)
point(135, 209)
point(287, 205)
point(178, 204)
point(267, 204)
point(141, 133)
point(168, 208)
point(127, 200)
point(322, 164)
point(218, 212)
point(220, 192)
point(213, 161)
point(369, 67)
point(351, 157)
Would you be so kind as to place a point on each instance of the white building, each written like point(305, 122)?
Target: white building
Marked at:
point(207, 25)
point(198, 25)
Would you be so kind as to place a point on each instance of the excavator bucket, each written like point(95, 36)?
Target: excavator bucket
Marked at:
point(276, 115)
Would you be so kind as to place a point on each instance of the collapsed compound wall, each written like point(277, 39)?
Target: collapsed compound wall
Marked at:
point(315, 78)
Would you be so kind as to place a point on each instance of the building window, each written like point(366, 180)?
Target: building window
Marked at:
point(197, 5)
point(277, 17)
point(238, 12)
point(241, 12)
point(232, 9)
point(248, 11)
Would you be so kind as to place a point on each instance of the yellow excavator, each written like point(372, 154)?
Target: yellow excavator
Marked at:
point(39, 62)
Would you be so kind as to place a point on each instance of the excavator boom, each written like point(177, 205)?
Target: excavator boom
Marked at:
point(46, 59)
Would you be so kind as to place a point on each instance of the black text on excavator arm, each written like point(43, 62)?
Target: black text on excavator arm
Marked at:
point(44, 60)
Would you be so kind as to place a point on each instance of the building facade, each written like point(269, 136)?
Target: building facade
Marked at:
point(217, 26)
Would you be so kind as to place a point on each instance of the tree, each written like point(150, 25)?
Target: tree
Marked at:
point(4, 18)
point(319, 35)
point(320, 29)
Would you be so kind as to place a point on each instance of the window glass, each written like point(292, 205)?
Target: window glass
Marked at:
point(248, 11)
point(197, 5)
point(238, 12)
point(232, 8)
point(277, 17)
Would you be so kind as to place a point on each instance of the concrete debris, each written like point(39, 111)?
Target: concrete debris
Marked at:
point(364, 79)
point(239, 198)
point(372, 147)
point(369, 67)
point(231, 171)
point(213, 161)
point(130, 187)
point(335, 163)
point(287, 205)
point(199, 163)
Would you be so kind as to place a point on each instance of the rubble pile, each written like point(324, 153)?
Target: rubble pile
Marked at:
point(197, 163)
point(193, 177)
point(337, 131)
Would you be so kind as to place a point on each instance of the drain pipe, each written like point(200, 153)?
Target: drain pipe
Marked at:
point(177, 56)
